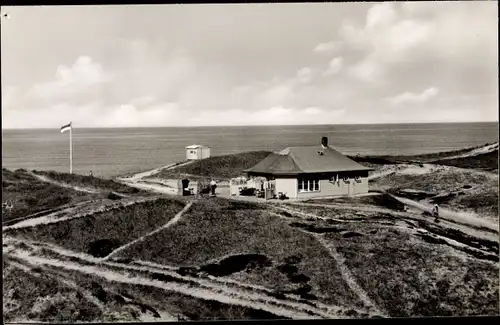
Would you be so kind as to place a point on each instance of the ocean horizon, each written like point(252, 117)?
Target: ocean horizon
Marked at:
point(110, 152)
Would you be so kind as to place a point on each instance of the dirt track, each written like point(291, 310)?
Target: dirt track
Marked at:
point(209, 288)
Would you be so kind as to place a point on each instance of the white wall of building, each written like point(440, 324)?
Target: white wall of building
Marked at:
point(288, 186)
point(199, 152)
point(328, 188)
point(361, 186)
point(205, 152)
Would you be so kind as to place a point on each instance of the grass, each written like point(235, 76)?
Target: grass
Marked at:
point(382, 200)
point(102, 232)
point(30, 195)
point(437, 181)
point(39, 297)
point(402, 273)
point(331, 212)
point(487, 161)
point(220, 167)
point(408, 277)
point(155, 299)
point(89, 181)
point(483, 201)
point(220, 228)
point(469, 191)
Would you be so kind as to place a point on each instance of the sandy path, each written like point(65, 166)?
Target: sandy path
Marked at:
point(73, 212)
point(475, 152)
point(307, 215)
point(458, 217)
point(428, 168)
point(344, 270)
point(148, 173)
point(451, 224)
point(219, 285)
point(74, 187)
point(152, 187)
point(455, 217)
point(53, 212)
point(205, 289)
point(173, 221)
point(416, 230)
point(348, 277)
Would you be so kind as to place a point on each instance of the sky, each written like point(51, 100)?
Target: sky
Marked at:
point(249, 64)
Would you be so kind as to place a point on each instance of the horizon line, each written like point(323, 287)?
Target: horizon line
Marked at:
point(250, 125)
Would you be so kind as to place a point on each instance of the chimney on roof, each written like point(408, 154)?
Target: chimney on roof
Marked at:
point(324, 142)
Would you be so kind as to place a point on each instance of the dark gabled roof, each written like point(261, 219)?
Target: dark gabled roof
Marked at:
point(276, 164)
point(301, 160)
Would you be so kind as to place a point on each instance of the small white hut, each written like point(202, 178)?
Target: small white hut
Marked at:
point(197, 152)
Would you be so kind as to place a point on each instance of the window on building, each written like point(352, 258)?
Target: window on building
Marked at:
point(308, 185)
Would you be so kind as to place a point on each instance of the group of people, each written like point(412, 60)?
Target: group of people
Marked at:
point(212, 185)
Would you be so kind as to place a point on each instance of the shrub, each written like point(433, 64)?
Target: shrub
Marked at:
point(113, 196)
point(247, 191)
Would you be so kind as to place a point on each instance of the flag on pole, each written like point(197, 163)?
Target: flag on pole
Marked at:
point(66, 127)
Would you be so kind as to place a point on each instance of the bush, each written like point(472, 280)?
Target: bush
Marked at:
point(113, 196)
point(247, 191)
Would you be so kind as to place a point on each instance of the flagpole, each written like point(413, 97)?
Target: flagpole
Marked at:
point(71, 149)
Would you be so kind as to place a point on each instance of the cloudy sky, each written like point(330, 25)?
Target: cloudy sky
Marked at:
point(249, 64)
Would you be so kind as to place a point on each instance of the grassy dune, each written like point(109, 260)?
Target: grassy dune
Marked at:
point(407, 274)
point(217, 229)
point(30, 295)
point(41, 295)
point(221, 167)
point(100, 233)
point(89, 181)
point(381, 200)
point(30, 195)
point(485, 160)
point(403, 270)
point(460, 190)
point(409, 277)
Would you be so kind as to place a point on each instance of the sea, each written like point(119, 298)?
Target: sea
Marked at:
point(109, 152)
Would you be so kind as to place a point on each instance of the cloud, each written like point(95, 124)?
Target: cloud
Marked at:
point(313, 111)
point(411, 98)
point(130, 116)
point(143, 101)
point(387, 39)
point(327, 47)
point(70, 81)
point(334, 66)
point(277, 115)
point(383, 14)
point(304, 75)
point(381, 56)
point(9, 95)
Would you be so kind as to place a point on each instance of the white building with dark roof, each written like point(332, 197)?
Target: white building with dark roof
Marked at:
point(312, 171)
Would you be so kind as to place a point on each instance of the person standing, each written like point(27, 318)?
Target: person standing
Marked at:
point(213, 186)
point(435, 212)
